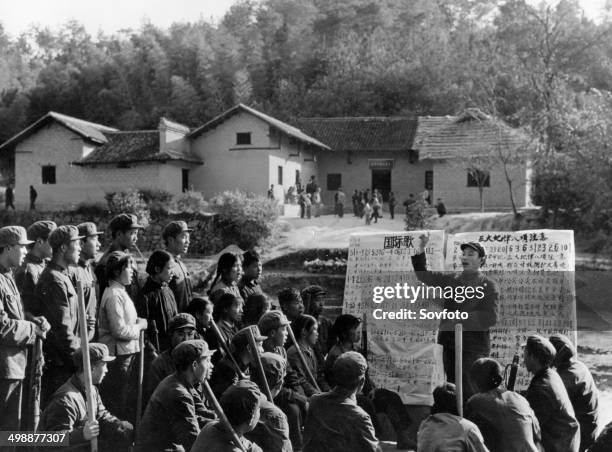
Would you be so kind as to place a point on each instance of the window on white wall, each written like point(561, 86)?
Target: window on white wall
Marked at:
point(243, 138)
point(334, 181)
point(48, 174)
point(280, 175)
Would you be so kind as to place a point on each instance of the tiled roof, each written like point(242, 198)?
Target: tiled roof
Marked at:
point(130, 147)
point(280, 125)
point(472, 133)
point(362, 133)
point(88, 130)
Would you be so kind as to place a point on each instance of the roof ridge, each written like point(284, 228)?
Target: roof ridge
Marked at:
point(133, 131)
point(355, 117)
point(95, 125)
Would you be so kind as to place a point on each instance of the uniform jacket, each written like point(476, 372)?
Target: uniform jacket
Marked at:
point(67, 412)
point(224, 375)
point(221, 288)
point(248, 288)
point(174, 416)
point(215, 437)
point(272, 431)
point(551, 404)
point(445, 432)
point(482, 312)
point(117, 327)
point(180, 284)
point(155, 301)
point(292, 390)
point(161, 367)
point(506, 421)
point(59, 305)
point(26, 278)
point(84, 272)
point(15, 332)
point(335, 422)
point(582, 392)
point(313, 366)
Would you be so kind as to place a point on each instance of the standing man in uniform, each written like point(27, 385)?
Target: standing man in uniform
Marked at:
point(124, 232)
point(39, 252)
point(176, 239)
point(84, 272)
point(482, 312)
point(9, 197)
point(59, 304)
point(16, 333)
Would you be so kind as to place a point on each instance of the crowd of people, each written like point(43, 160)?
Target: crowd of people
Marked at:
point(232, 370)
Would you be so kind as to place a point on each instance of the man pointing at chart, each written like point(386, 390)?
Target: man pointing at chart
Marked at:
point(482, 312)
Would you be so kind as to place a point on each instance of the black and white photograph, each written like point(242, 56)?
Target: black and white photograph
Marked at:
point(306, 225)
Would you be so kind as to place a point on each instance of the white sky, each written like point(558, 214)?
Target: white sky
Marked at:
point(112, 15)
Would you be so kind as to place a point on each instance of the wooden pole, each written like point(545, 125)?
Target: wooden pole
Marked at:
point(225, 346)
point(140, 378)
point(215, 403)
point(309, 374)
point(36, 371)
point(257, 359)
point(91, 414)
point(459, 367)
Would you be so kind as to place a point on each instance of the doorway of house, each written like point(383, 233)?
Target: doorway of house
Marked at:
point(381, 180)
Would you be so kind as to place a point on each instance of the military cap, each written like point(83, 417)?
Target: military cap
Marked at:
point(41, 229)
point(63, 235)
point(475, 246)
point(190, 351)
point(274, 367)
point(541, 348)
point(349, 368)
point(174, 228)
point(313, 291)
point(124, 222)
point(272, 320)
point(240, 401)
point(182, 320)
point(13, 235)
point(88, 229)
point(241, 338)
point(97, 352)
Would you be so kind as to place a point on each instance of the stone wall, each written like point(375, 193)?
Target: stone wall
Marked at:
point(204, 239)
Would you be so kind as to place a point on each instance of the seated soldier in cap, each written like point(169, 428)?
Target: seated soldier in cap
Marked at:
point(580, 387)
point(181, 328)
point(251, 267)
point(60, 309)
point(548, 398)
point(124, 232)
point(176, 413)
point(335, 421)
point(444, 430)
point(39, 253)
point(67, 409)
point(505, 419)
point(176, 239)
point(291, 398)
point(241, 405)
point(225, 373)
point(84, 272)
point(482, 312)
point(155, 301)
point(272, 430)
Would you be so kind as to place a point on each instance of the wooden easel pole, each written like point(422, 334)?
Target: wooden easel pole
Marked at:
point(459, 367)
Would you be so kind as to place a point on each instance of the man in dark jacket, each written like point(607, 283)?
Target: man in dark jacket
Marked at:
point(580, 387)
point(16, 333)
point(176, 239)
point(482, 312)
point(176, 413)
point(60, 308)
point(28, 274)
point(67, 410)
point(548, 398)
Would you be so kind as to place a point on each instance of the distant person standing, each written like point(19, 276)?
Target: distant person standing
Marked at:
point(33, 196)
point(392, 203)
point(271, 192)
point(340, 199)
point(311, 187)
point(440, 208)
point(9, 197)
point(316, 202)
point(376, 206)
point(408, 203)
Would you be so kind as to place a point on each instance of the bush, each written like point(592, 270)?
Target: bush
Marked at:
point(244, 219)
point(129, 202)
point(190, 202)
point(91, 209)
point(156, 200)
